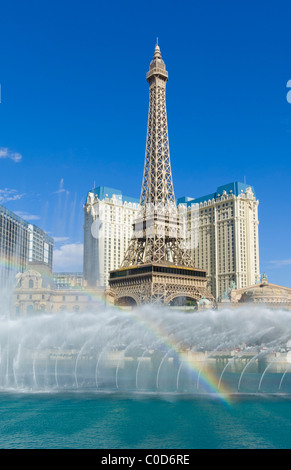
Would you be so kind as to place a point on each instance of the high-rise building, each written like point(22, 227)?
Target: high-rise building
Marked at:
point(222, 234)
point(21, 243)
point(40, 246)
point(109, 216)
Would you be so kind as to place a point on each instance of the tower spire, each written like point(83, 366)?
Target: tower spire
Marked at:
point(157, 186)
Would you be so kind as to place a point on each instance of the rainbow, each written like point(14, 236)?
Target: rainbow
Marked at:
point(11, 263)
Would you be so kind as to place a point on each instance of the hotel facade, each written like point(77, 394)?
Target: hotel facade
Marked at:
point(223, 237)
point(108, 220)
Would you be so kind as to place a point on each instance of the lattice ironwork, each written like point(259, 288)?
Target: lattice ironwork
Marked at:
point(158, 232)
point(160, 289)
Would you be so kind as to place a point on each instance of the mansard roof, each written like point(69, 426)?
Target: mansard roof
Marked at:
point(235, 188)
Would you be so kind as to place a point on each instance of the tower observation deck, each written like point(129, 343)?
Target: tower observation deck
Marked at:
point(157, 267)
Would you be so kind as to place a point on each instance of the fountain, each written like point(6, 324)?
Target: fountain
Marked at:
point(149, 349)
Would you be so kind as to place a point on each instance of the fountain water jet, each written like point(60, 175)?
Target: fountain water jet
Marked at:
point(141, 358)
point(77, 359)
point(283, 376)
point(204, 362)
point(122, 357)
point(254, 358)
point(149, 349)
point(265, 371)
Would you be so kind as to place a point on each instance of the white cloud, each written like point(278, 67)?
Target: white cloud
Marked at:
point(60, 239)
point(280, 263)
point(6, 153)
point(9, 195)
point(69, 257)
point(26, 216)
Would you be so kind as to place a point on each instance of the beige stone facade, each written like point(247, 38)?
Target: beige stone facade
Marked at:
point(261, 293)
point(222, 234)
point(36, 293)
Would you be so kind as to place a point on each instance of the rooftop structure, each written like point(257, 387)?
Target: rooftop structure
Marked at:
point(236, 188)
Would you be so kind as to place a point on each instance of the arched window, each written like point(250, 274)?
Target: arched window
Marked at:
point(30, 284)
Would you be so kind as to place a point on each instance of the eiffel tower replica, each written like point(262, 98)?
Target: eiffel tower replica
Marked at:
point(157, 267)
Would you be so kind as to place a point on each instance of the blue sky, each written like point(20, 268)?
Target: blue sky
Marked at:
point(74, 103)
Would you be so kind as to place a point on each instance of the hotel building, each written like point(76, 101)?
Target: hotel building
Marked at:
point(222, 234)
point(109, 216)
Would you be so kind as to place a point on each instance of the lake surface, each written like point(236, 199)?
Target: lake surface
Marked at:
point(143, 421)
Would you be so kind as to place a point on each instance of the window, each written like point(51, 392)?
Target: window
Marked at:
point(30, 284)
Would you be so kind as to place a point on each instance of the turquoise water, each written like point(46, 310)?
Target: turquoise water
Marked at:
point(111, 421)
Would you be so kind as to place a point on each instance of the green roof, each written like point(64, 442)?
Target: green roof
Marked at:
point(235, 188)
point(104, 191)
